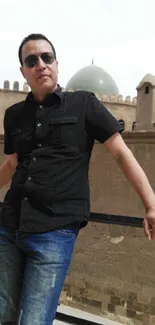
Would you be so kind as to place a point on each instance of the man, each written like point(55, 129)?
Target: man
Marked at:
point(48, 142)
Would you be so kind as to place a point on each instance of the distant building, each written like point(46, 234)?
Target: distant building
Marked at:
point(94, 79)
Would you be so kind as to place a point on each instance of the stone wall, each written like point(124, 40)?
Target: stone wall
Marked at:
point(107, 180)
point(112, 274)
point(127, 112)
point(112, 271)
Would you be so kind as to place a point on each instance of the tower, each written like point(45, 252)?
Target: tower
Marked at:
point(145, 112)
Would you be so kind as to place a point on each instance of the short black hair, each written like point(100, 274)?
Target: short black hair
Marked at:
point(33, 37)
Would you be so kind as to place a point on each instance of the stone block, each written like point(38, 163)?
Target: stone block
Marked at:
point(150, 291)
point(115, 301)
point(133, 296)
point(120, 310)
point(131, 313)
point(146, 319)
point(133, 305)
point(153, 301)
point(111, 308)
point(91, 302)
point(152, 320)
point(143, 298)
point(98, 296)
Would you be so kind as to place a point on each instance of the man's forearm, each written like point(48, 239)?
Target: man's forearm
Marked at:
point(135, 174)
point(6, 173)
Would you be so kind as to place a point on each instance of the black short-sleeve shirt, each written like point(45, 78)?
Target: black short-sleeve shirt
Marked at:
point(53, 141)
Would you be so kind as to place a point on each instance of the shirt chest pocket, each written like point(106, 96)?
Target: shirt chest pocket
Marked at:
point(63, 130)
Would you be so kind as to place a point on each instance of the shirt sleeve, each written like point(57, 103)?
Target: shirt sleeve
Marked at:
point(8, 141)
point(100, 123)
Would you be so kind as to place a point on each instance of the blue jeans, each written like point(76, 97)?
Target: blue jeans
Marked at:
point(33, 268)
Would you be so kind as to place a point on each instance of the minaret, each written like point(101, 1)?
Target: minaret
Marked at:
point(145, 111)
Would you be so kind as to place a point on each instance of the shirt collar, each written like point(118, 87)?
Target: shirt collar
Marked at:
point(58, 92)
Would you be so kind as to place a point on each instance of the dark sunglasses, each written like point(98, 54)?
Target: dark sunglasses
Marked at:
point(32, 60)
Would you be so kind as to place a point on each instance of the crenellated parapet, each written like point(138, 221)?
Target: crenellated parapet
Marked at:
point(118, 99)
point(105, 98)
point(15, 86)
point(115, 99)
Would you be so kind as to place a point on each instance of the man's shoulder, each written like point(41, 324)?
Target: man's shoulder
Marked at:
point(77, 93)
point(80, 99)
point(15, 107)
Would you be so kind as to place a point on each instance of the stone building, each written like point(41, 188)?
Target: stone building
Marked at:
point(112, 271)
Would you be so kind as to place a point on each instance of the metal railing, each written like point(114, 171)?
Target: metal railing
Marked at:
point(116, 219)
point(68, 319)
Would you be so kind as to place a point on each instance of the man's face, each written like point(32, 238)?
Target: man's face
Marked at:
point(42, 77)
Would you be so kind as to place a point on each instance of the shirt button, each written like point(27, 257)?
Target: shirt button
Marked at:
point(25, 198)
point(39, 144)
point(41, 106)
point(39, 124)
point(34, 158)
point(29, 178)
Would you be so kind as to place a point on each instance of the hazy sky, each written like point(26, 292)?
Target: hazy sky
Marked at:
point(118, 34)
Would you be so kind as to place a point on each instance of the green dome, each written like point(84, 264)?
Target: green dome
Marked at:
point(94, 79)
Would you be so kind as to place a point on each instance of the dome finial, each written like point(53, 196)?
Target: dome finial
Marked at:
point(92, 61)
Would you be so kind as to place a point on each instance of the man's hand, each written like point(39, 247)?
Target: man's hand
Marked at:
point(149, 224)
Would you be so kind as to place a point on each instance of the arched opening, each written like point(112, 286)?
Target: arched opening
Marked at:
point(147, 90)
